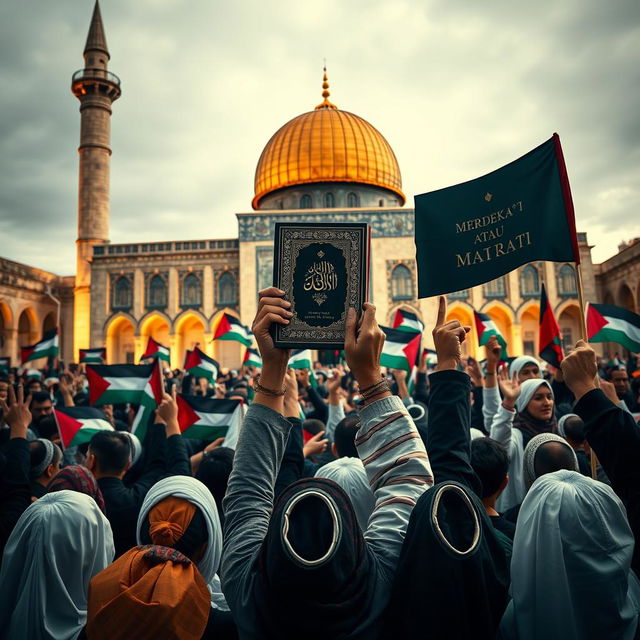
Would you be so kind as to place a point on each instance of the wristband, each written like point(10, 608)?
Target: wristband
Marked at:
point(363, 391)
point(274, 393)
point(375, 390)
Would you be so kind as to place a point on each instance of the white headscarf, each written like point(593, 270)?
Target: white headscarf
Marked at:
point(197, 493)
point(349, 473)
point(571, 574)
point(563, 419)
point(136, 446)
point(59, 543)
point(522, 361)
point(529, 457)
point(527, 390)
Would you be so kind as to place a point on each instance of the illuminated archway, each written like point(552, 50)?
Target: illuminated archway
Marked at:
point(569, 323)
point(189, 330)
point(6, 324)
point(156, 326)
point(120, 341)
point(464, 315)
point(228, 353)
point(27, 327)
point(530, 329)
point(50, 322)
point(625, 298)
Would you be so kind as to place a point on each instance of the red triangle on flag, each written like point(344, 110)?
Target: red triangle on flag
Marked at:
point(186, 415)
point(411, 350)
point(156, 382)
point(67, 426)
point(97, 385)
point(595, 321)
point(397, 319)
point(193, 359)
point(224, 326)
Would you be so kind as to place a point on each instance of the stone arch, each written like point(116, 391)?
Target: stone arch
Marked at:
point(407, 307)
point(50, 322)
point(464, 314)
point(6, 327)
point(570, 323)
point(27, 327)
point(504, 318)
point(625, 297)
point(155, 325)
point(120, 340)
point(402, 287)
point(189, 330)
point(529, 320)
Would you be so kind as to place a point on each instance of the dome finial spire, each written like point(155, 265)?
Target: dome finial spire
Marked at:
point(325, 104)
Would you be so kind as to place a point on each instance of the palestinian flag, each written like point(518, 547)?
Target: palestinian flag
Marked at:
point(407, 321)
point(230, 328)
point(120, 383)
point(78, 424)
point(400, 349)
point(156, 350)
point(207, 418)
point(200, 365)
point(432, 358)
point(48, 346)
point(550, 342)
point(252, 358)
point(93, 356)
point(301, 359)
point(486, 327)
point(5, 365)
point(607, 323)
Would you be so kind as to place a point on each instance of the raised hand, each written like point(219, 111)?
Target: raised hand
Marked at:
point(291, 406)
point(302, 376)
point(609, 390)
point(315, 445)
point(168, 411)
point(363, 345)
point(494, 353)
point(333, 383)
point(16, 414)
point(474, 372)
point(510, 388)
point(579, 369)
point(448, 338)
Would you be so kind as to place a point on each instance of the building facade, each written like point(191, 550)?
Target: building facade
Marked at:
point(323, 165)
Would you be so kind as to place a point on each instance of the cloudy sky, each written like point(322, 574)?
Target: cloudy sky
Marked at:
point(458, 88)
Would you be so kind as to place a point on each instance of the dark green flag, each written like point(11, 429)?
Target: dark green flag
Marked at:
point(479, 230)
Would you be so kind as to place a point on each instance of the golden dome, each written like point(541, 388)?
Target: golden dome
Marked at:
point(327, 145)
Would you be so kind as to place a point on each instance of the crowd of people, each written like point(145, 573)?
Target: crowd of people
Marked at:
point(485, 500)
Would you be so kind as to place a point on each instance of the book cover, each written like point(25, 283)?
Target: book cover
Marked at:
point(323, 269)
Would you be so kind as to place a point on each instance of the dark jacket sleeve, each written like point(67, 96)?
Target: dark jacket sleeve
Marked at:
point(561, 393)
point(15, 492)
point(155, 463)
point(320, 409)
point(448, 438)
point(292, 464)
point(477, 419)
point(615, 437)
point(177, 457)
point(421, 390)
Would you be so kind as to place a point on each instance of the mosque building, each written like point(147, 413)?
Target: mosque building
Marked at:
point(326, 165)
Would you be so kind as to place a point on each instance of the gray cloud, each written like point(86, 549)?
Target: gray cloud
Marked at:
point(457, 87)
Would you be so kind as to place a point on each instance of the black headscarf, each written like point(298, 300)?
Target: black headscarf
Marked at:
point(316, 576)
point(453, 577)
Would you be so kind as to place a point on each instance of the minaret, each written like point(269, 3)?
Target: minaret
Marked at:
point(96, 88)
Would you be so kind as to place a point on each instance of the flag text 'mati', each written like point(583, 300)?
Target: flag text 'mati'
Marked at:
point(230, 328)
point(608, 323)
point(93, 356)
point(208, 418)
point(121, 383)
point(549, 343)
point(200, 365)
point(45, 348)
point(407, 321)
point(156, 350)
point(486, 328)
point(479, 230)
point(78, 424)
point(400, 349)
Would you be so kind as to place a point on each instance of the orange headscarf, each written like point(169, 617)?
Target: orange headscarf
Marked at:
point(150, 592)
point(169, 520)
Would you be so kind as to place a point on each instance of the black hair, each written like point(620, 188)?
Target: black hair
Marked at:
point(490, 461)
point(112, 451)
point(45, 427)
point(40, 396)
point(345, 435)
point(553, 456)
point(81, 399)
point(214, 472)
point(574, 429)
point(313, 426)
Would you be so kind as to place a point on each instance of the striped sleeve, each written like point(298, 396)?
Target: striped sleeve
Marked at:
point(398, 470)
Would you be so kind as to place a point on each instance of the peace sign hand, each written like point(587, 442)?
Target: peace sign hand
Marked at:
point(448, 338)
point(16, 414)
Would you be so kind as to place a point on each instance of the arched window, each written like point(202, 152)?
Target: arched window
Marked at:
point(529, 281)
point(227, 291)
point(401, 283)
point(353, 200)
point(122, 293)
point(191, 291)
point(381, 202)
point(567, 280)
point(495, 289)
point(157, 298)
point(329, 201)
point(305, 201)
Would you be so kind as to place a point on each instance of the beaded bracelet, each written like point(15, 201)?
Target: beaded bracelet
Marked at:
point(375, 390)
point(362, 391)
point(268, 392)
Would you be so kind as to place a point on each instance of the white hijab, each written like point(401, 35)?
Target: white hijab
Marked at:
point(59, 543)
point(528, 389)
point(571, 574)
point(197, 493)
point(522, 361)
point(349, 473)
